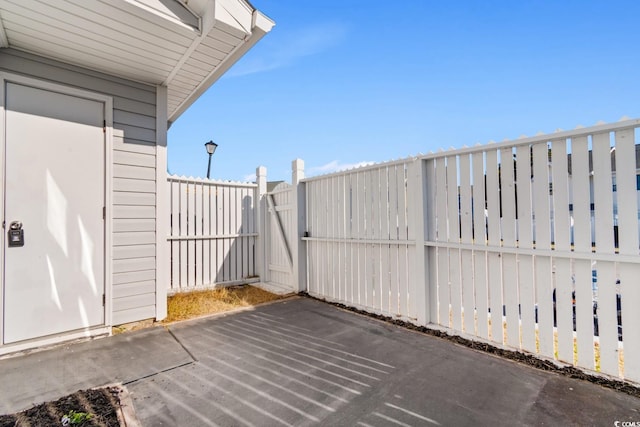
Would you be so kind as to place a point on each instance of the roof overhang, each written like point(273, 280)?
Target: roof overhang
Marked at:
point(185, 45)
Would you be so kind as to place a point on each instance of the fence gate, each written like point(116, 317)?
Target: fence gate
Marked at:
point(279, 232)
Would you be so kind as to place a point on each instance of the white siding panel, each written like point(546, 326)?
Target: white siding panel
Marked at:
point(133, 276)
point(134, 119)
point(133, 315)
point(133, 146)
point(134, 264)
point(135, 132)
point(131, 105)
point(137, 238)
point(134, 199)
point(135, 185)
point(121, 225)
point(136, 288)
point(134, 301)
point(134, 212)
point(133, 251)
point(134, 173)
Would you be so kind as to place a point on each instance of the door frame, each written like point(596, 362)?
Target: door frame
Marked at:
point(108, 203)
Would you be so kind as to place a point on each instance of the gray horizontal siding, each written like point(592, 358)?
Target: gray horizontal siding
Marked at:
point(134, 185)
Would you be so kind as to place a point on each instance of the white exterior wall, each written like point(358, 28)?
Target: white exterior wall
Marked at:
point(133, 210)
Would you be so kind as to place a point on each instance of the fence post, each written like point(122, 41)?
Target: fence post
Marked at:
point(261, 226)
point(417, 190)
point(298, 246)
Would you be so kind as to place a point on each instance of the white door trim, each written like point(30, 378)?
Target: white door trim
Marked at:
point(108, 202)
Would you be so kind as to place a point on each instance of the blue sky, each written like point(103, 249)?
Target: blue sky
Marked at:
point(340, 83)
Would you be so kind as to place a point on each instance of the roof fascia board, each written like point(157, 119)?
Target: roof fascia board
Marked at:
point(262, 22)
point(236, 14)
point(263, 25)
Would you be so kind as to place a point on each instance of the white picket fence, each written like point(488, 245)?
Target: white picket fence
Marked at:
point(361, 238)
point(531, 245)
point(511, 243)
point(213, 233)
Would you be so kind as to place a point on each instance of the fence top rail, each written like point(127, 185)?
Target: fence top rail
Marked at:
point(175, 178)
point(559, 135)
point(359, 169)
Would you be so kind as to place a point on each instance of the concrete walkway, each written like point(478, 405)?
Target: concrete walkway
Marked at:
point(302, 362)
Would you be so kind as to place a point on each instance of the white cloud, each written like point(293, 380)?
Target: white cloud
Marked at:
point(283, 49)
point(336, 166)
point(249, 178)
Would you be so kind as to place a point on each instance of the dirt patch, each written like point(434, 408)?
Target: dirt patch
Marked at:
point(85, 408)
point(517, 356)
point(188, 305)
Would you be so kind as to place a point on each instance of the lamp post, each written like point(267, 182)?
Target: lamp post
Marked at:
point(211, 148)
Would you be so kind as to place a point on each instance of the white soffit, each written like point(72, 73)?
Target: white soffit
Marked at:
point(185, 45)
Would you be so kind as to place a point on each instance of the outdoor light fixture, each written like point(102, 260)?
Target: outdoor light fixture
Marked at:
point(211, 148)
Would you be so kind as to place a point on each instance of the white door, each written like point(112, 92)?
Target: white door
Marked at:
point(54, 185)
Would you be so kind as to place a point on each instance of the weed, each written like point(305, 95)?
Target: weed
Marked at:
point(73, 418)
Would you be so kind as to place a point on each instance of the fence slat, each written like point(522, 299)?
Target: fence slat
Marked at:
point(627, 198)
point(494, 269)
point(453, 217)
point(602, 193)
point(542, 265)
point(197, 227)
point(184, 214)
point(630, 319)
point(584, 314)
point(339, 256)
point(312, 261)
point(442, 254)
point(392, 219)
point(510, 272)
point(604, 272)
point(362, 248)
point(375, 214)
point(563, 309)
point(220, 229)
point(607, 317)
point(206, 230)
point(480, 240)
point(525, 240)
point(404, 294)
point(175, 231)
point(466, 236)
point(580, 178)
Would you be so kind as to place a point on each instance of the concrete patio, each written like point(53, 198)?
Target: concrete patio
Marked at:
point(303, 362)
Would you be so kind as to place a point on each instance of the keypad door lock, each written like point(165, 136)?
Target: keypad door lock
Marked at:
point(16, 234)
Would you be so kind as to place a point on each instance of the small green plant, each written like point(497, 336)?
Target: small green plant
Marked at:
point(74, 418)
